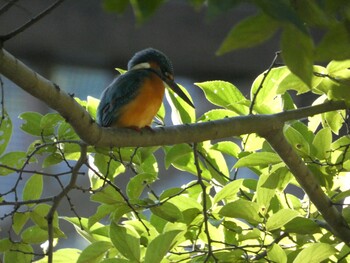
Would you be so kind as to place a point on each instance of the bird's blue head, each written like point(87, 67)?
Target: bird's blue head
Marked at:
point(157, 62)
point(151, 57)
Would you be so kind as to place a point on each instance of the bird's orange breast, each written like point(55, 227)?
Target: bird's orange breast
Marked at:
point(140, 112)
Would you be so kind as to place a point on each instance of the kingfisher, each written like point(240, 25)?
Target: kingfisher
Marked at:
point(133, 99)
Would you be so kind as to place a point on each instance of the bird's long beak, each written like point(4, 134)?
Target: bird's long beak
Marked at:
point(172, 84)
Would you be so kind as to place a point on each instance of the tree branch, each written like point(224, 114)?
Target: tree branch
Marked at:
point(29, 22)
point(92, 134)
point(309, 183)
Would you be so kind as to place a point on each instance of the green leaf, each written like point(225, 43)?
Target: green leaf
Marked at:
point(226, 95)
point(39, 216)
point(117, 6)
point(248, 33)
point(229, 191)
point(13, 256)
point(281, 218)
point(107, 166)
point(227, 147)
point(138, 183)
point(52, 159)
point(31, 123)
point(91, 106)
point(5, 132)
point(14, 160)
point(217, 114)
point(244, 209)
point(334, 44)
point(292, 82)
point(168, 211)
point(102, 211)
point(276, 254)
point(66, 132)
point(258, 159)
point(33, 187)
point(143, 10)
point(181, 112)
point(126, 240)
point(266, 190)
point(5, 244)
point(108, 195)
point(19, 220)
point(160, 246)
point(322, 143)
point(217, 7)
point(95, 252)
point(264, 89)
point(181, 157)
point(49, 121)
point(297, 140)
point(297, 53)
point(34, 235)
point(334, 120)
point(63, 256)
point(315, 253)
point(281, 11)
point(303, 226)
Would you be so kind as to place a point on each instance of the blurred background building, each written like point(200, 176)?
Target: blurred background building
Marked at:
point(79, 44)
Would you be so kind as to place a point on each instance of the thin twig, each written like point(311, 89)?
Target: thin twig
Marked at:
point(7, 6)
point(204, 202)
point(30, 22)
point(255, 95)
point(71, 185)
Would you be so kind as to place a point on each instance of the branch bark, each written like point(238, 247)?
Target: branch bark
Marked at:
point(309, 183)
point(92, 134)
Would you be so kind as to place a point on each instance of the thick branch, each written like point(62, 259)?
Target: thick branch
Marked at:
point(309, 183)
point(269, 126)
point(92, 134)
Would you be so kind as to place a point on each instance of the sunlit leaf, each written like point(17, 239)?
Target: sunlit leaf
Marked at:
point(181, 112)
point(281, 218)
point(315, 253)
point(91, 106)
point(5, 132)
point(276, 254)
point(258, 159)
point(14, 160)
point(31, 123)
point(297, 140)
point(94, 252)
point(168, 211)
point(12, 255)
point(33, 188)
point(126, 240)
point(229, 191)
point(136, 184)
point(159, 247)
point(242, 209)
point(226, 95)
point(264, 90)
point(322, 143)
point(19, 220)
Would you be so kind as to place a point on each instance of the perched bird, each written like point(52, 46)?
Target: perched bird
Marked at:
point(134, 98)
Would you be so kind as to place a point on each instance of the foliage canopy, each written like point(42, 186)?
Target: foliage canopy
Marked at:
point(218, 217)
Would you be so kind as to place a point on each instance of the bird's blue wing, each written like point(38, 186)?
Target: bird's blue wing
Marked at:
point(120, 92)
